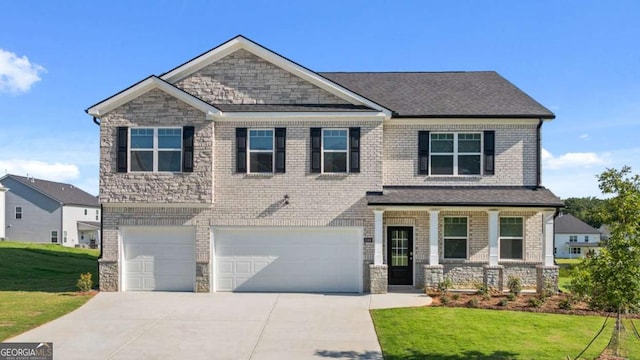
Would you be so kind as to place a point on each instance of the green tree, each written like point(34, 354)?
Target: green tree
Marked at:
point(586, 209)
point(611, 280)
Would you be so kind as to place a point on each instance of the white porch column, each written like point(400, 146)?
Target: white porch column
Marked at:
point(378, 259)
point(3, 209)
point(493, 237)
point(547, 238)
point(434, 254)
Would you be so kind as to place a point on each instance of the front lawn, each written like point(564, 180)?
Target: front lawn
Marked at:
point(566, 272)
point(461, 333)
point(38, 283)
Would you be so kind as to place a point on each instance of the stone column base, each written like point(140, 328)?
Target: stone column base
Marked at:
point(493, 276)
point(109, 277)
point(203, 285)
point(379, 279)
point(547, 275)
point(433, 275)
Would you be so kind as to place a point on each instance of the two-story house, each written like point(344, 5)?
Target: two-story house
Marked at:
point(42, 211)
point(574, 238)
point(241, 170)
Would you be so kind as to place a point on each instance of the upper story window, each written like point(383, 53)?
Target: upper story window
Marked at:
point(260, 151)
point(97, 215)
point(573, 238)
point(456, 153)
point(162, 149)
point(156, 149)
point(455, 237)
point(18, 212)
point(335, 150)
point(511, 238)
point(85, 211)
point(586, 238)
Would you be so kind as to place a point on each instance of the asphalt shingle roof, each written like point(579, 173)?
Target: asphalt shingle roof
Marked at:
point(442, 94)
point(65, 193)
point(464, 196)
point(569, 224)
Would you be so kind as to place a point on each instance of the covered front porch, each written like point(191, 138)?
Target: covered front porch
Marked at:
point(483, 240)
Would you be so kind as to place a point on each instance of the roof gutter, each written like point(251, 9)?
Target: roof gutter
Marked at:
point(95, 121)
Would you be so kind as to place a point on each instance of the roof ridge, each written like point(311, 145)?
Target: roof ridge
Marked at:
point(410, 72)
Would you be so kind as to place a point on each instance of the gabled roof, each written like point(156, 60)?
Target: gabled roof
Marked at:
point(144, 86)
point(241, 42)
point(443, 94)
point(512, 196)
point(569, 224)
point(66, 194)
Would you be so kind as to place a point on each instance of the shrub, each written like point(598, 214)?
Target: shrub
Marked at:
point(472, 303)
point(535, 302)
point(515, 285)
point(444, 300)
point(455, 296)
point(503, 302)
point(565, 304)
point(445, 285)
point(486, 297)
point(511, 296)
point(482, 289)
point(85, 283)
point(549, 289)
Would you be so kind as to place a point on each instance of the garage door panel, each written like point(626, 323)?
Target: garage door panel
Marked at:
point(287, 259)
point(159, 258)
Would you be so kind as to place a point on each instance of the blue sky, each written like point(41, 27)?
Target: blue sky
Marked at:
point(581, 59)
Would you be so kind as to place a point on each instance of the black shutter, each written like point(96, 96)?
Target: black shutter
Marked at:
point(423, 152)
point(316, 149)
point(241, 150)
point(489, 152)
point(354, 149)
point(121, 157)
point(281, 143)
point(187, 148)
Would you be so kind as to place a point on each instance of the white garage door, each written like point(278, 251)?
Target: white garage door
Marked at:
point(159, 258)
point(288, 259)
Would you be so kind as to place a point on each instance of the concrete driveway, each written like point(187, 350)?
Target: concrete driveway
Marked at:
point(218, 326)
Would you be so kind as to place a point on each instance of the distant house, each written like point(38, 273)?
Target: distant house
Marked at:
point(35, 210)
point(574, 238)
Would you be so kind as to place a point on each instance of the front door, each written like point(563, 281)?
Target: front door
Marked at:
point(400, 255)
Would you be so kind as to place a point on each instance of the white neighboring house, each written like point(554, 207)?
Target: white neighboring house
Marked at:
point(574, 238)
point(41, 211)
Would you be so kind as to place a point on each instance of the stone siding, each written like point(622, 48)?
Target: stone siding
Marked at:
point(515, 162)
point(526, 272)
point(379, 279)
point(464, 276)
point(243, 78)
point(108, 274)
point(154, 109)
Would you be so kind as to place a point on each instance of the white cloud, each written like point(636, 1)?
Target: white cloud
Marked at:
point(584, 136)
point(40, 169)
point(573, 160)
point(17, 74)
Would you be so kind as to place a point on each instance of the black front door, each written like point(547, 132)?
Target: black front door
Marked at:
point(400, 255)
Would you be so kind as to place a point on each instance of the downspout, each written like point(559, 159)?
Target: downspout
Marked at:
point(95, 121)
point(539, 155)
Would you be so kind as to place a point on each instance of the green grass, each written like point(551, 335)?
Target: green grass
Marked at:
point(461, 333)
point(38, 283)
point(566, 272)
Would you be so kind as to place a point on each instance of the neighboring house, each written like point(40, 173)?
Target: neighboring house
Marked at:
point(41, 211)
point(241, 170)
point(575, 238)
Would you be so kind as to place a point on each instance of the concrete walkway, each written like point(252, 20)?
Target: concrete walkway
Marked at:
point(220, 326)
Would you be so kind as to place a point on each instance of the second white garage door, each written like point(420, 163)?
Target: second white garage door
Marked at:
point(159, 258)
point(288, 259)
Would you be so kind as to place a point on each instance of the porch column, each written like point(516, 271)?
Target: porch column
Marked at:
point(3, 225)
point(378, 236)
point(547, 240)
point(434, 254)
point(493, 237)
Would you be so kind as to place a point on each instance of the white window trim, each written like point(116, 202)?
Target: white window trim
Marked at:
point(573, 238)
point(64, 236)
point(21, 212)
point(500, 237)
point(155, 150)
point(456, 154)
point(272, 151)
point(322, 151)
point(444, 238)
point(51, 237)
